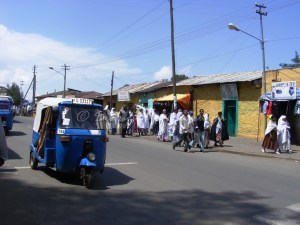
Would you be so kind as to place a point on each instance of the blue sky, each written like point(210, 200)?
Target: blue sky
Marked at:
point(132, 38)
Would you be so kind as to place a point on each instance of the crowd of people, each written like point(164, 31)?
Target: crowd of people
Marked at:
point(180, 126)
point(277, 136)
point(184, 130)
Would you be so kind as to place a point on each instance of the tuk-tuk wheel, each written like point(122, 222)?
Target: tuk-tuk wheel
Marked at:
point(6, 132)
point(33, 161)
point(88, 179)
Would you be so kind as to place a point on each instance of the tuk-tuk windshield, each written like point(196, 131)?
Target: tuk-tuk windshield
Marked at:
point(5, 106)
point(82, 117)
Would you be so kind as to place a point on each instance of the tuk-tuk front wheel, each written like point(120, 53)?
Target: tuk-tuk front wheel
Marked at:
point(33, 162)
point(88, 177)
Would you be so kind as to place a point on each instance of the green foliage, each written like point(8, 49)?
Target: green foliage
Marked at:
point(179, 77)
point(295, 60)
point(15, 93)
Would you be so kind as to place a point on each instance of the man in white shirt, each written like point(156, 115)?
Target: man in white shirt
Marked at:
point(184, 130)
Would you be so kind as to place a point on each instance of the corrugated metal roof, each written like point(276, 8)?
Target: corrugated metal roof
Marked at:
point(222, 78)
point(139, 88)
point(76, 93)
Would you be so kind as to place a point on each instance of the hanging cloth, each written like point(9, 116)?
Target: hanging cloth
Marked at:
point(265, 107)
point(297, 108)
point(269, 111)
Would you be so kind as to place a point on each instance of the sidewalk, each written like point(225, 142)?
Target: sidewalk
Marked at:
point(245, 146)
point(252, 147)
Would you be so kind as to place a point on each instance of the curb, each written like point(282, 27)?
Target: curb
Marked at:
point(257, 155)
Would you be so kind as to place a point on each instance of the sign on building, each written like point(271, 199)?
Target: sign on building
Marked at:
point(284, 90)
point(123, 96)
point(229, 91)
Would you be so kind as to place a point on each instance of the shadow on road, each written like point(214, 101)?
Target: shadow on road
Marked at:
point(110, 177)
point(25, 203)
point(13, 155)
point(16, 133)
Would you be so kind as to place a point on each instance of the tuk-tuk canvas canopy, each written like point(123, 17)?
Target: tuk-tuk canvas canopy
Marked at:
point(44, 104)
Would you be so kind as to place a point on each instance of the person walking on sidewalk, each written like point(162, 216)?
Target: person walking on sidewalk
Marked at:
point(113, 121)
point(130, 123)
point(123, 117)
point(163, 126)
point(284, 136)
point(206, 130)
point(184, 125)
point(219, 132)
point(140, 120)
point(270, 140)
point(200, 130)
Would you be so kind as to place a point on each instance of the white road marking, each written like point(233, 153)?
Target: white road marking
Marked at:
point(117, 164)
point(294, 207)
point(22, 167)
point(283, 218)
point(274, 219)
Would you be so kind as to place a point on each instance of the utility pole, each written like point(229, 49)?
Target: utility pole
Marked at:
point(261, 13)
point(21, 84)
point(111, 90)
point(34, 86)
point(173, 55)
point(65, 67)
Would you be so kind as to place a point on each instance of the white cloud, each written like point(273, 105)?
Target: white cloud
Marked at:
point(89, 69)
point(164, 73)
point(186, 70)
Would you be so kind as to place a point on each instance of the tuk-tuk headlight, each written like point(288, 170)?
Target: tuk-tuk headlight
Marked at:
point(4, 122)
point(91, 156)
point(65, 138)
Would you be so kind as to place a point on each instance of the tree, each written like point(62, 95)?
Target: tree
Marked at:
point(180, 77)
point(295, 60)
point(15, 93)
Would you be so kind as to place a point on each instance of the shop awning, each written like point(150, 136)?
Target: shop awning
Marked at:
point(182, 99)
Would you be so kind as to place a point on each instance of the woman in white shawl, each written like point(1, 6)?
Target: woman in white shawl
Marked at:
point(206, 130)
point(146, 121)
point(270, 140)
point(113, 121)
point(163, 126)
point(140, 120)
point(284, 136)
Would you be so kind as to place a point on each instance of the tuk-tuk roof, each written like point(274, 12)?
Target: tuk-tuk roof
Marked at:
point(6, 98)
point(44, 103)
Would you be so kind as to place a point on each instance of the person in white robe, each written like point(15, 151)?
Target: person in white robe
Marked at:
point(113, 121)
point(140, 120)
point(179, 114)
point(163, 126)
point(146, 121)
point(172, 123)
point(284, 136)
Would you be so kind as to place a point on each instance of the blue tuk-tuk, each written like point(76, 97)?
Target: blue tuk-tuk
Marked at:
point(69, 135)
point(6, 112)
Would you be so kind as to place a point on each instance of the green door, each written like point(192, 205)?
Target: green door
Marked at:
point(230, 116)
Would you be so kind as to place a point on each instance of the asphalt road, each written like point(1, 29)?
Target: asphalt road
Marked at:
point(146, 182)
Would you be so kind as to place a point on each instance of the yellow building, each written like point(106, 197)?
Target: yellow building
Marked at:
point(236, 95)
